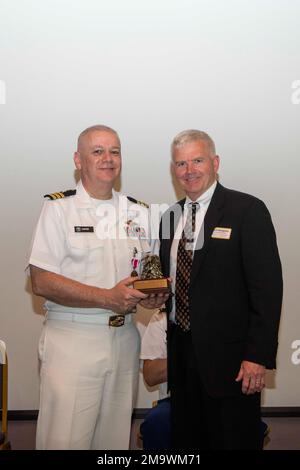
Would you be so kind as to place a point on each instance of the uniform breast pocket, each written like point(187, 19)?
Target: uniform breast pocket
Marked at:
point(87, 253)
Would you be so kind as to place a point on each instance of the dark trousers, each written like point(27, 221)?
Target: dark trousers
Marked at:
point(156, 428)
point(199, 421)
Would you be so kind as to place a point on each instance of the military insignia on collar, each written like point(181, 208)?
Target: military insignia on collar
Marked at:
point(135, 201)
point(61, 194)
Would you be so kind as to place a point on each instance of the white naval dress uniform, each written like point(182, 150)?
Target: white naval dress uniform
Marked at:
point(89, 370)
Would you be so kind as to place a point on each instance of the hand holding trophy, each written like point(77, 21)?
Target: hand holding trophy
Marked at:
point(152, 280)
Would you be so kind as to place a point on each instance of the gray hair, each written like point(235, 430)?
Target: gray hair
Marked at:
point(97, 127)
point(192, 135)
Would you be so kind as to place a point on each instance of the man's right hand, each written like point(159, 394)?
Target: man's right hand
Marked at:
point(122, 298)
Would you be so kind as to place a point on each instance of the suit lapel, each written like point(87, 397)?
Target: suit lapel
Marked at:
point(212, 217)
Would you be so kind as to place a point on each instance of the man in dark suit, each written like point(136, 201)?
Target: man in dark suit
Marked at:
point(219, 247)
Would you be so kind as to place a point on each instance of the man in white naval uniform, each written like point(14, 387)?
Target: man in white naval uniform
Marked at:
point(85, 244)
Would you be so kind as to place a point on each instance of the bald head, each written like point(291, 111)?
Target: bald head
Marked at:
point(83, 136)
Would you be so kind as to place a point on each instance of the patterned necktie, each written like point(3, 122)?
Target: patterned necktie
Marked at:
point(184, 267)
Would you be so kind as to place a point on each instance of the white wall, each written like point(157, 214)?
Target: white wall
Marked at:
point(148, 69)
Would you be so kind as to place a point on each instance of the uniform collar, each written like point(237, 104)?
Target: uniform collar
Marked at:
point(84, 201)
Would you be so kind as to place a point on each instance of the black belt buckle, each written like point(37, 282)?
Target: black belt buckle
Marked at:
point(116, 320)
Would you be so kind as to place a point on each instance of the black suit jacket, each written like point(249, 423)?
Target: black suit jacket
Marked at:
point(235, 293)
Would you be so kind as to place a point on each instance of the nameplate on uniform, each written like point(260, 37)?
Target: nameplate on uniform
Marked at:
point(223, 233)
point(83, 228)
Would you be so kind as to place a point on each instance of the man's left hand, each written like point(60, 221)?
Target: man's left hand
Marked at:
point(154, 300)
point(253, 376)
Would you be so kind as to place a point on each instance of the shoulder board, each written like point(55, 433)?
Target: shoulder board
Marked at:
point(135, 201)
point(61, 194)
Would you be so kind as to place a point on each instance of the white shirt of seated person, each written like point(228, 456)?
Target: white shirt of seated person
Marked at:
point(154, 344)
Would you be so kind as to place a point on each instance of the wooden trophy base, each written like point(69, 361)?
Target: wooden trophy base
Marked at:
point(152, 286)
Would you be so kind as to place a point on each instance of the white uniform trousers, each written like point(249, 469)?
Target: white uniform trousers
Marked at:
point(89, 376)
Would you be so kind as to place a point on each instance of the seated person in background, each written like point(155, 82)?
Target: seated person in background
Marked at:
point(156, 428)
